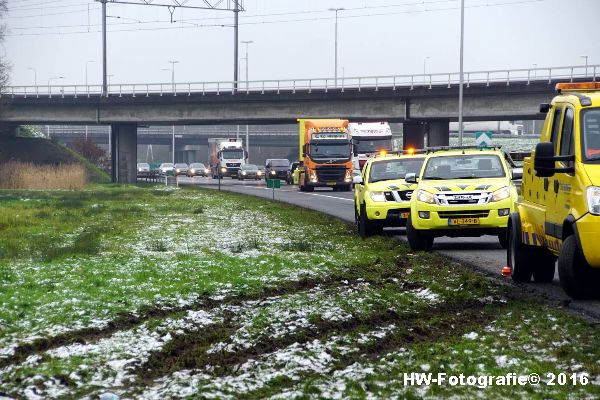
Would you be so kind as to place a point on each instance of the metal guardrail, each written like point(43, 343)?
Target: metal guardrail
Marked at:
point(373, 83)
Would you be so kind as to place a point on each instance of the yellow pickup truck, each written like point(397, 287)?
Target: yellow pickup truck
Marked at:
point(461, 192)
point(381, 194)
point(559, 213)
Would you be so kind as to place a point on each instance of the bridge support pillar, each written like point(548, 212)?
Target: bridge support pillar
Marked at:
point(124, 153)
point(438, 133)
point(413, 135)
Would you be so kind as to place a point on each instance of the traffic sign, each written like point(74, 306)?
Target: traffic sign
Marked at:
point(273, 183)
point(484, 139)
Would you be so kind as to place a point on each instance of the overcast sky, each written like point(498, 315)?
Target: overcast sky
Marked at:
point(295, 38)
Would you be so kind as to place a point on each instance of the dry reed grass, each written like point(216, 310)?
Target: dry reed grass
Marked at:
point(20, 175)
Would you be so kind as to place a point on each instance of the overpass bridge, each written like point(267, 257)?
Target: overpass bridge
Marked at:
point(425, 104)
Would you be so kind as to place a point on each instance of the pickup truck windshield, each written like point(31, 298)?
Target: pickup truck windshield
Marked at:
point(467, 166)
point(232, 154)
point(372, 145)
point(591, 134)
point(326, 151)
point(394, 169)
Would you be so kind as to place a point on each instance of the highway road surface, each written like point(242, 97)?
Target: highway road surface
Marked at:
point(483, 253)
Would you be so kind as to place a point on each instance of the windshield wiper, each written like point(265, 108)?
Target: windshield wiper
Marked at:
point(466, 177)
point(439, 178)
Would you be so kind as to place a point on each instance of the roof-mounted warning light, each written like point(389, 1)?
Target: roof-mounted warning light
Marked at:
point(577, 86)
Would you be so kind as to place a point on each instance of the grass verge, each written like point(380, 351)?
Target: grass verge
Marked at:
point(154, 292)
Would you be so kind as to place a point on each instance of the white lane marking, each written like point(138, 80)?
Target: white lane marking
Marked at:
point(331, 197)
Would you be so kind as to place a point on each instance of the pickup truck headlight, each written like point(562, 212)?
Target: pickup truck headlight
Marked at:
point(313, 176)
point(425, 197)
point(593, 199)
point(377, 196)
point(223, 169)
point(501, 194)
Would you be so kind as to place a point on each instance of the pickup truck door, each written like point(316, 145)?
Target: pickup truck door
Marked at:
point(560, 185)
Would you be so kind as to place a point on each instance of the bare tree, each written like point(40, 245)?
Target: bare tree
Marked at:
point(4, 64)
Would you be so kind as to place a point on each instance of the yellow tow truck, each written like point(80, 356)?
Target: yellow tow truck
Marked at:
point(461, 192)
point(381, 194)
point(558, 215)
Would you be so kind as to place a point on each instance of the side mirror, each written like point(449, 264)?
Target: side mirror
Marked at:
point(517, 174)
point(545, 107)
point(357, 179)
point(544, 161)
point(411, 178)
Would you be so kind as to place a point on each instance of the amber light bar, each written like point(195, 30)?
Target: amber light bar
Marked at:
point(577, 86)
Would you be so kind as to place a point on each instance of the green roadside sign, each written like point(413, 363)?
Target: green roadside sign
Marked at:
point(273, 183)
point(484, 139)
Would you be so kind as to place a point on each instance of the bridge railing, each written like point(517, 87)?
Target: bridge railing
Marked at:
point(304, 85)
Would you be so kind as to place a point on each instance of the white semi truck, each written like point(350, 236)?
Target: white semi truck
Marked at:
point(368, 138)
point(226, 157)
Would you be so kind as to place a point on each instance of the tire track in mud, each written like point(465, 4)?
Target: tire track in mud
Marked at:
point(443, 323)
point(375, 274)
point(188, 351)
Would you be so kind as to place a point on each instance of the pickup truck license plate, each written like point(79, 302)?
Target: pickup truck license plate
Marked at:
point(463, 221)
point(405, 215)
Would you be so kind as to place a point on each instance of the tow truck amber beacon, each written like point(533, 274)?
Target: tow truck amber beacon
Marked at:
point(462, 192)
point(559, 213)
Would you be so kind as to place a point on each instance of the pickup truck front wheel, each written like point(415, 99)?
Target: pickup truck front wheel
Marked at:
point(577, 278)
point(416, 240)
point(364, 225)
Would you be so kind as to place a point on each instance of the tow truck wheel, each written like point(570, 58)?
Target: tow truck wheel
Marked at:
point(545, 265)
point(416, 240)
point(576, 277)
point(520, 258)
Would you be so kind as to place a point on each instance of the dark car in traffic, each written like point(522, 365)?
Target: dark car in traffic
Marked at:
point(181, 169)
point(249, 171)
point(197, 169)
point(277, 168)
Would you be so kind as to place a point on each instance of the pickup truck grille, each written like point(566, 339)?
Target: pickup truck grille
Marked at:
point(464, 214)
point(399, 195)
point(331, 174)
point(453, 199)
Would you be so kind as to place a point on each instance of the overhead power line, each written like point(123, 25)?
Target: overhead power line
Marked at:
point(250, 23)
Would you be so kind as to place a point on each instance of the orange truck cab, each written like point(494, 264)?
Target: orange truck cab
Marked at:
point(325, 154)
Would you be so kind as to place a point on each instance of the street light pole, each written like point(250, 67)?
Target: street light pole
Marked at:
point(247, 42)
point(173, 73)
point(34, 75)
point(104, 61)
point(336, 42)
point(586, 63)
point(425, 67)
point(461, 90)
point(53, 78)
point(236, 12)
